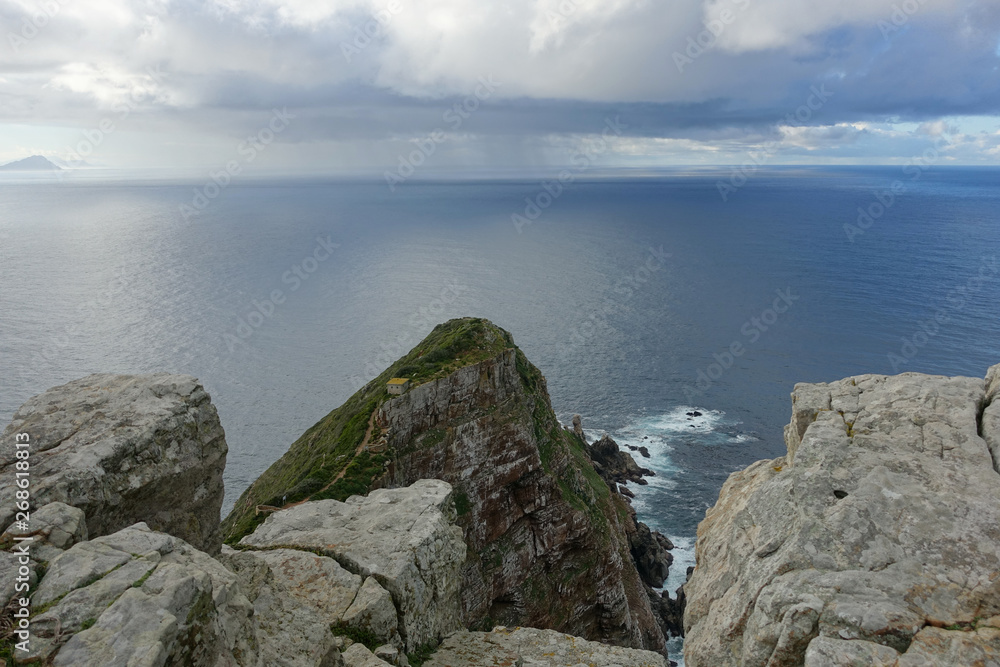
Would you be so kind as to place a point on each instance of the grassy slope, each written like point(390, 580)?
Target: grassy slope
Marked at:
point(320, 454)
point(329, 446)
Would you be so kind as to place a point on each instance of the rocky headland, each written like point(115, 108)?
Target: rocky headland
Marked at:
point(455, 513)
point(550, 543)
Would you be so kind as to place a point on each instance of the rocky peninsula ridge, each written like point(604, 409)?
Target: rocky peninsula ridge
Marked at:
point(458, 524)
point(460, 506)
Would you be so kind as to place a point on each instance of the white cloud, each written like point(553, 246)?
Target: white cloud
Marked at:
point(562, 64)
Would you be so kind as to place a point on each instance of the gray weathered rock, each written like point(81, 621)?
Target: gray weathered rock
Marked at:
point(836, 652)
point(297, 596)
point(883, 520)
point(357, 655)
point(373, 611)
point(389, 654)
point(405, 538)
point(937, 646)
point(13, 577)
point(138, 597)
point(991, 415)
point(535, 648)
point(123, 449)
point(52, 528)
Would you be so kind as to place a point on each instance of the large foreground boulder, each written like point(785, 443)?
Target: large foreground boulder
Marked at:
point(324, 584)
point(124, 449)
point(875, 541)
point(401, 541)
point(139, 597)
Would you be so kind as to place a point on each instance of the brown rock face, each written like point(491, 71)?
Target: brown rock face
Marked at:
point(548, 541)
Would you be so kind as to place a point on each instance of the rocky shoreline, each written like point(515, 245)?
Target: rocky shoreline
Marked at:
point(460, 524)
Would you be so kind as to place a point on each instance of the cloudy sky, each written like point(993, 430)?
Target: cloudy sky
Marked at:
point(358, 85)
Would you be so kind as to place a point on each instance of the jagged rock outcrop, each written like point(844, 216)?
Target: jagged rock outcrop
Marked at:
point(138, 597)
point(505, 647)
point(990, 419)
point(403, 541)
point(670, 610)
point(873, 542)
point(578, 428)
point(651, 554)
point(547, 539)
point(123, 449)
point(614, 465)
point(141, 597)
point(650, 550)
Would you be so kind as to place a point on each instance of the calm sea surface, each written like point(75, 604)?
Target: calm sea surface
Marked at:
point(630, 294)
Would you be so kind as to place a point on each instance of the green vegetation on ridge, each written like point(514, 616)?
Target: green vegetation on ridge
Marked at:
point(326, 463)
point(330, 446)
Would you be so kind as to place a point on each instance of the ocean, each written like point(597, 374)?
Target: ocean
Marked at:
point(641, 297)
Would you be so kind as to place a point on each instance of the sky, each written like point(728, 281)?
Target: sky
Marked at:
point(389, 86)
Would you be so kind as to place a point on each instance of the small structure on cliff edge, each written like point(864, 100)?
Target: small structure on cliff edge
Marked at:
point(397, 386)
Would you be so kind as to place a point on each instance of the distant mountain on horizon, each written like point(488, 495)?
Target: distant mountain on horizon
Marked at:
point(33, 163)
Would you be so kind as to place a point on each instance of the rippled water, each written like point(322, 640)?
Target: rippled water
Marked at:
point(105, 275)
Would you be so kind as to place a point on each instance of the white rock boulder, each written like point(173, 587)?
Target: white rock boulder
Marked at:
point(877, 536)
point(123, 449)
point(405, 538)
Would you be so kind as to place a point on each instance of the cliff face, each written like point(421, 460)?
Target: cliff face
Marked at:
point(874, 541)
point(548, 541)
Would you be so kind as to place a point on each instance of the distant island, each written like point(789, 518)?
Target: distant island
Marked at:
point(33, 163)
